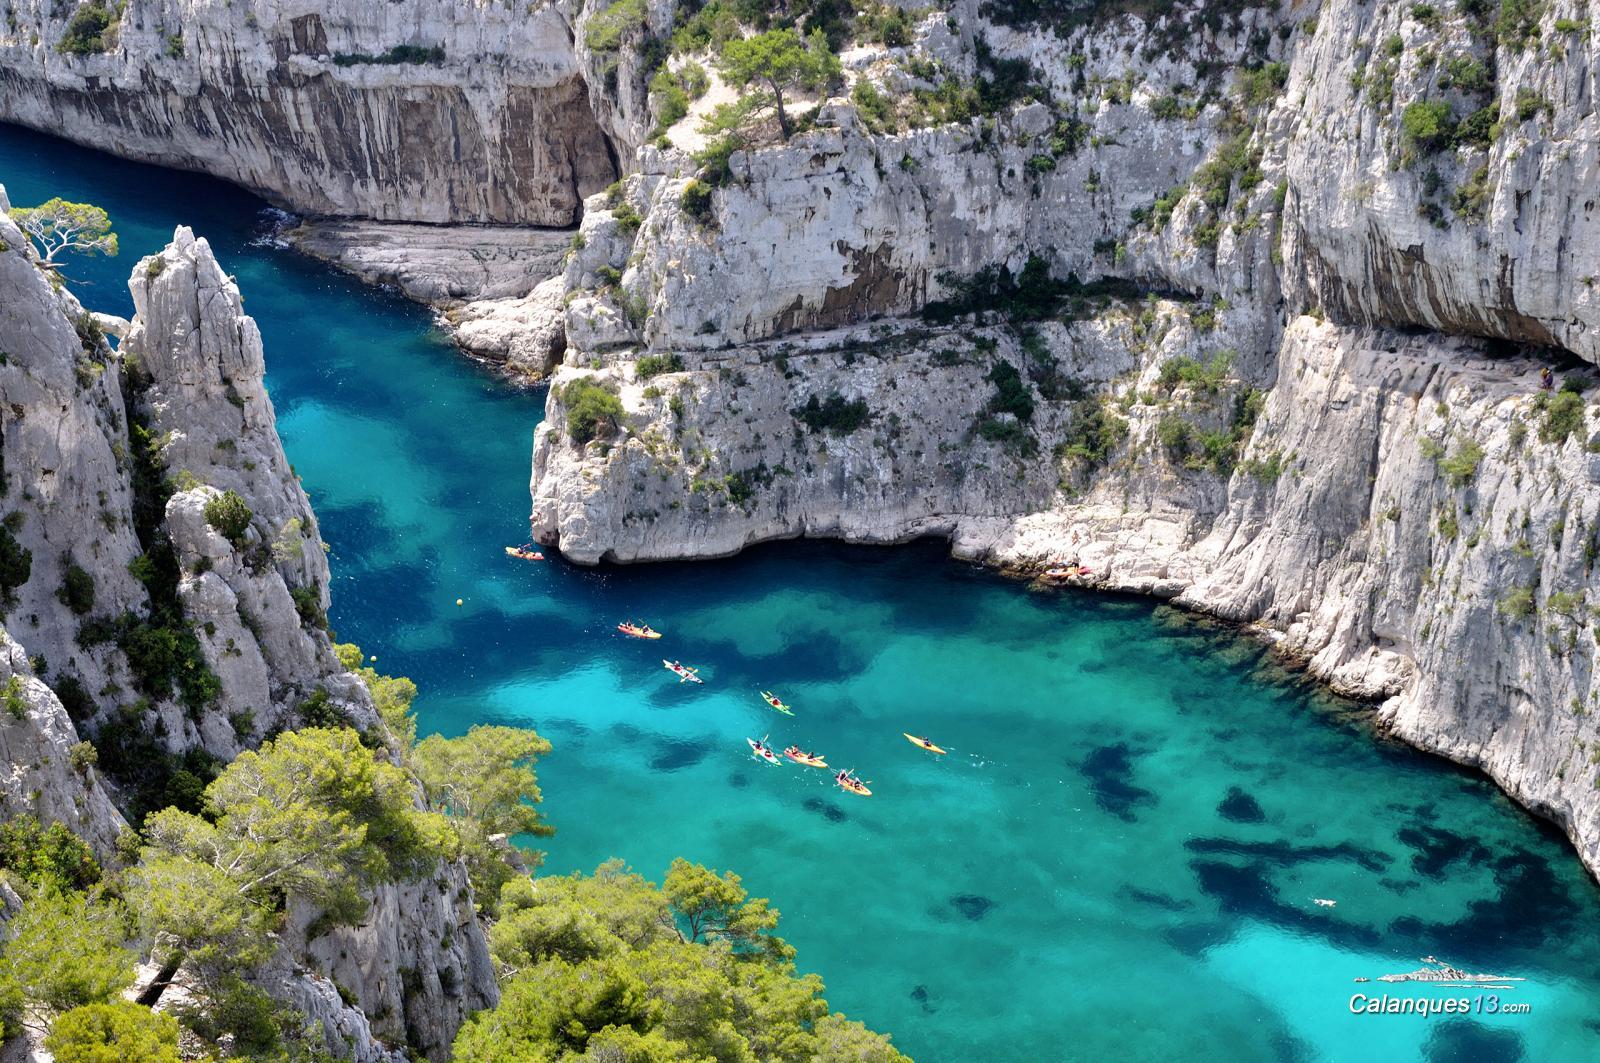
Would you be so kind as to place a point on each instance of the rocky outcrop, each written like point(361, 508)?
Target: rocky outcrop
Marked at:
point(43, 774)
point(112, 459)
point(417, 964)
point(202, 392)
point(444, 266)
point(1236, 424)
point(411, 111)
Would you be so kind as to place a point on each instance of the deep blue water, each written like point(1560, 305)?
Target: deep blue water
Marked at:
point(1118, 856)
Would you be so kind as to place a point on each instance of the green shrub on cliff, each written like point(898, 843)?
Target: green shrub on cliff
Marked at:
point(1427, 125)
point(607, 28)
point(696, 201)
point(86, 31)
point(46, 857)
point(656, 364)
point(1563, 415)
point(611, 966)
point(834, 415)
point(591, 407)
point(16, 565)
point(230, 515)
point(113, 1032)
point(1462, 465)
point(64, 951)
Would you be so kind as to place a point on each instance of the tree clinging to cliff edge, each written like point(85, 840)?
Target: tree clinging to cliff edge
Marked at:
point(57, 225)
point(779, 61)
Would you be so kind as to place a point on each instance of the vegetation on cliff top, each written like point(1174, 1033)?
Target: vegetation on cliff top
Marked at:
point(612, 966)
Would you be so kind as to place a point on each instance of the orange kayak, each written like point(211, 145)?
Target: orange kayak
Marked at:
point(799, 756)
point(923, 743)
point(524, 553)
point(638, 631)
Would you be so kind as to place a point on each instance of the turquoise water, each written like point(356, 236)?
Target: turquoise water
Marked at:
point(1117, 858)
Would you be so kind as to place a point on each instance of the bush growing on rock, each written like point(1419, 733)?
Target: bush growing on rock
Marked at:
point(77, 590)
point(1563, 415)
point(591, 408)
point(876, 109)
point(1094, 432)
point(230, 515)
point(64, 952)
point(696, 200)
point(610, 965)
point(16, 565)
point(656, 364)
point(834, 414)
point(114, 1032)
point(1462, 465)
point(46, 857)
point(1427, 124)
point(86, 32)
point(1518, 603)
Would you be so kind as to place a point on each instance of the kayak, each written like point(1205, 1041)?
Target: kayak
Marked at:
point(851, 784)
point(923, 743)
point(638, 631)
point(761, 752)
point(524, 553)
point(772, 699)
point(685, 675)
point(800, 756)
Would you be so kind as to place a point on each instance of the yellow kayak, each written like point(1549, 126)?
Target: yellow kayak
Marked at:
point(800, 756)
point(850, 784)
point(524, 553)
point(638, 631)
point(923, 743)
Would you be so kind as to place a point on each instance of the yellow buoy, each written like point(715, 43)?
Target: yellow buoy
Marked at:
point(459, 601)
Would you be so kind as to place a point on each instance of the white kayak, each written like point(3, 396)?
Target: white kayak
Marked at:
point(685, 675)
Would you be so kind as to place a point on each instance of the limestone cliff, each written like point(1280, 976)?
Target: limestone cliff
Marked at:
point(413, 111)
point(159, 635)
point(1285, 367)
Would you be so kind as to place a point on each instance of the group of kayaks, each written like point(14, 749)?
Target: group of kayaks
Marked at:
point(846, 779)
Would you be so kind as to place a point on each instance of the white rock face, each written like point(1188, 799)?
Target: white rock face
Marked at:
point(205, 399)
point(276, 97)
point(527, 335)
point(418, 964)
point(1526, 271)
point(37, 775)
point(1396, 510)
